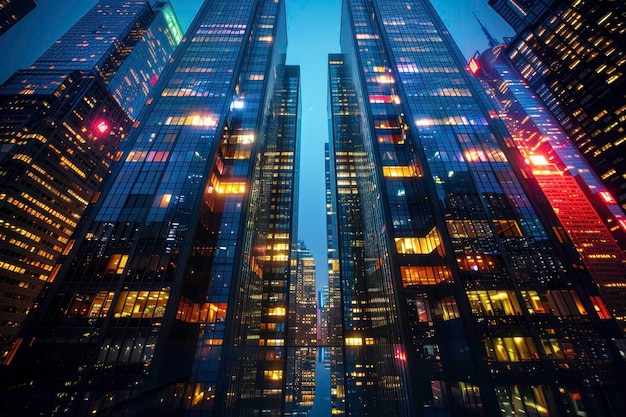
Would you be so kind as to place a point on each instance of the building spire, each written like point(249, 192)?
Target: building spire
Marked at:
point(493, 42)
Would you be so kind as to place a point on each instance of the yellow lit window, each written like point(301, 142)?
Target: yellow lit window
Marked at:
point(400, 171)
point(424, 275)
point(139, 304)
point(494, 302)
point(276, 311)
point(116, 264)
point(511, 349)
point(165, 200)
point(535, 304)
point(552, 349)
point(353, 341)
point(273, 374)
point(418, 245)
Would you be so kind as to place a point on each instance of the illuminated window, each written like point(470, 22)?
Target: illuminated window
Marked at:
point(535, 304)
point(468, 228)
point(507, 228)
point(274, 374)
point(552, 349)
point(400, 171)
point(353, 341)
point(494, 303)
point(116, 264)
point(511, 349)
point(524, 400)
point(276, 311)
point(424, 275)
point(138, 304)
point(600, 308)
point(418, 245)
point(482, 263)
point(165, 200)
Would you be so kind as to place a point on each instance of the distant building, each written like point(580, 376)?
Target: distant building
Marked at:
point(304, 323)
point(12, 11)
point(322, 317)
point(61, 127)
point(458, 294)
point(572, 54)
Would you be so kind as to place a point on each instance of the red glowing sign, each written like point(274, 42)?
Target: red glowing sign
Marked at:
point(607, 197)
point(474, 66)
point(154, 80)
point(623, 224)
point(101, 127)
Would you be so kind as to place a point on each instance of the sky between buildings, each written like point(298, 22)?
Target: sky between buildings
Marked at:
point(313, 32)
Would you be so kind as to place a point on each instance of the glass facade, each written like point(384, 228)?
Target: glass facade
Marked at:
point(126, 42)
point(12, 11)
point(582, 204)
point(572, 54)
point(61, 126)
point(303, 297)
point(467, 302)
point(55, 151)
point(175, 298)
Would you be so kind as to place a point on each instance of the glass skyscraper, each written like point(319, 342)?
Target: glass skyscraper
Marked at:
point(12, 11)
point(60, 129)
point(585, 208)
point(303, 297)
point(174, 299)
point(572, 54)
point(456, 296)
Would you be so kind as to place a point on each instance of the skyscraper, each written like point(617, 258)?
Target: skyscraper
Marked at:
point(572, 54)
point(468, 303)
point(126, 42)
point(174, 298)
point(303, 297)
point(12, 11)
point(583, 205)
point(60, 128)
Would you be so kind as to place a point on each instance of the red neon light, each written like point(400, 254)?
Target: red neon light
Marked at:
point(474, 66)
point(154, 80)
point(102, 127)
point(623, 224)
point(380, 99)
point(607, 197)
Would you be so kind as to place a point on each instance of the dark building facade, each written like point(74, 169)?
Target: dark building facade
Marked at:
point(60, 128)
point(12, 11)
point(585, 208)
point(572, 54)
point(174, 300)
point(464, 301)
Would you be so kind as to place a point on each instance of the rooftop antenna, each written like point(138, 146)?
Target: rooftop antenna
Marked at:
point(493, 42)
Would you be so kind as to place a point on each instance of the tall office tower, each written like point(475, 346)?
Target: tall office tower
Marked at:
point(349, 316)
point(583, 205)
point(572, 54)
point(174, 299)
point(60, 127)
point(303, 297)
point(301, 375)
point(126, 42)
point(471, 305)
point(12, 11)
